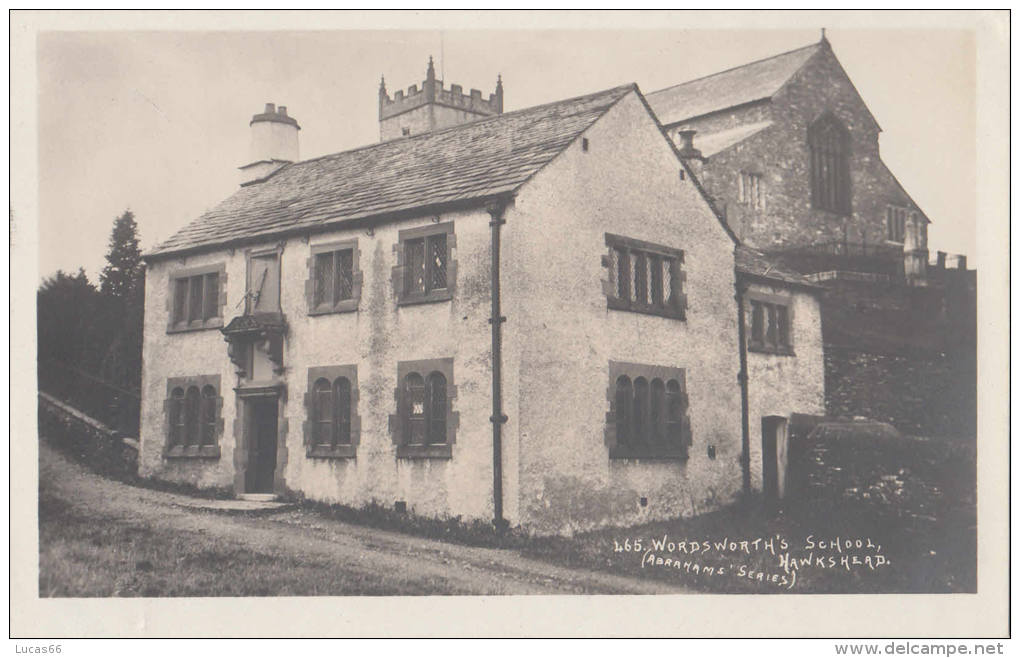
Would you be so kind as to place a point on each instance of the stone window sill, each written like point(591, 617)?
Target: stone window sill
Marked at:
point(428, 298)
point(618, 304)
point(345, 306)
point(180, 327)
point(434, 451)
point(672, 453)
point(193, 452)
point(778, 351)
point(333, 452)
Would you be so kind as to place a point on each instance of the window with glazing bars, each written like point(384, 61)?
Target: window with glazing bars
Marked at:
point(425, 424)
point(331, 412)
point(193, 420)
point(425, 259)
point(424, 409)
point(648, 411)
point(770, 327)
point(829, 143)
point(749, 190)
point(645, 277)
point(334, 278)
point(896, 222)
point(196, 299)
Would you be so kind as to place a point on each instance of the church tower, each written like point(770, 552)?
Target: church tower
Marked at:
point(432, 107)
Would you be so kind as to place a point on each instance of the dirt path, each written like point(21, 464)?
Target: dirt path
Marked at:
point(366, 554)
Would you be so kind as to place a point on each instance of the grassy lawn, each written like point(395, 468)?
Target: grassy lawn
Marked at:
point(99, 557)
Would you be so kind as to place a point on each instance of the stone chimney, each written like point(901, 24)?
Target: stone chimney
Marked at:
point(274, 143)
point(685, 144)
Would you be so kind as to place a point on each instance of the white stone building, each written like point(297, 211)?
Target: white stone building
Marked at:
point(531, 317)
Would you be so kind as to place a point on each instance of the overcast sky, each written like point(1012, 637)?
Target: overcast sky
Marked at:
point(157, 122)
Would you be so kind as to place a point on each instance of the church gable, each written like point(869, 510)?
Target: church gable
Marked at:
point(822, 85)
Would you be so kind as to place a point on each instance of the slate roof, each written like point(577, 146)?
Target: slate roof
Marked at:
point(756, 264)
point(711, 143)
point(471, 161)
point(743, 84)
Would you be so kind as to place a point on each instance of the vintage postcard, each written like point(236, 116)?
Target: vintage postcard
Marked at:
point(438, 324)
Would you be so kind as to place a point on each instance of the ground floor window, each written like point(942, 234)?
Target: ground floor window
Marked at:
point(425, 424)
point(332, 427)
point(648, 416)
point(193, 416)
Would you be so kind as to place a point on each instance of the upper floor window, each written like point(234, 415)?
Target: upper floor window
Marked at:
point(425, 424)
point(333, 425)
point(425, 270)
point(334, 283)
point(193, 410)
point(896, 222)
point(648, 412)
point(197, 298)
point(749, 190)
point(644, 277)
point(829, 143)
point(263, 295)
point(771, 318)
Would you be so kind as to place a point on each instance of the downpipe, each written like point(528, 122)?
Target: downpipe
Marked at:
point(496, 209)
point(745, 431)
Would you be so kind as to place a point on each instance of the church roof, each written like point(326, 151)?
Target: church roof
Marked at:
point(737, 86)
point(467, 162)
point(711, 143)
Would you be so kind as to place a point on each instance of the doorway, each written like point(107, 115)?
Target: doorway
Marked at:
point(774, 457)
point(262, 444)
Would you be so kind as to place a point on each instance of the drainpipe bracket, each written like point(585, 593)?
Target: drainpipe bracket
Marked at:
point(502, 419)
point(501, 319)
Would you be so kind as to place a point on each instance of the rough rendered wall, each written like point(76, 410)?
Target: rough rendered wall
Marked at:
point(780, 153)
point(780, 385)
point(186, 354)
point(374, 338)
point(627, 183)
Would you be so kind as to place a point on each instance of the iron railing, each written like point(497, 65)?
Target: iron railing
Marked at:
point(874, 258)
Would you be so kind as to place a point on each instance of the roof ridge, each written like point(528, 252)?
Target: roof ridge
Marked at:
point(460, 126)
point(734, 68)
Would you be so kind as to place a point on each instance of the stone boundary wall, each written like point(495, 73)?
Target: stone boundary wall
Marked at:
point(87, 438)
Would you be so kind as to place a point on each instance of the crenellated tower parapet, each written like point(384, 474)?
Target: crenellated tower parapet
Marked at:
point(432, 106)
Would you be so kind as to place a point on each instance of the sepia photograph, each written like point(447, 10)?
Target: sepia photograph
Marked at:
point(405, 307)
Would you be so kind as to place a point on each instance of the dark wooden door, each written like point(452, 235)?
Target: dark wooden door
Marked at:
point(262, 455)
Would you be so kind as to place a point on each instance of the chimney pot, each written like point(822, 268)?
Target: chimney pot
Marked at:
point(274, 141)
point(686, 146)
